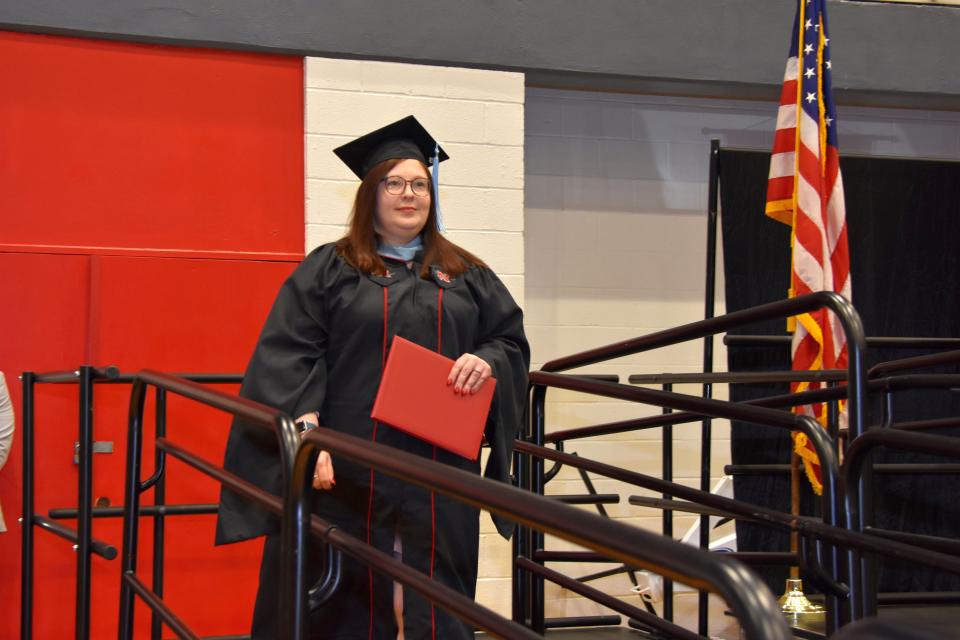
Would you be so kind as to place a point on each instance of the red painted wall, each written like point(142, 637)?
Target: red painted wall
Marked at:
point(151, 202)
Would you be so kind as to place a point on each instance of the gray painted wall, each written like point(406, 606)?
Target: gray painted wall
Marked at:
point(884, 55)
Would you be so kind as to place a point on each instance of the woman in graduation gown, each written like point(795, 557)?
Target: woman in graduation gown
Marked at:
point(320, 357)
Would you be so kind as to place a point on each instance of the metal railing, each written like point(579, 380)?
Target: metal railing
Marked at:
point(528, 590)
point(853, 469)
point(87, 378)
point(754, 607)
point(81, 537)
point(252, 413)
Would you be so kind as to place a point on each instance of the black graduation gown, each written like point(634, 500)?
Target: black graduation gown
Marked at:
point(322, 348)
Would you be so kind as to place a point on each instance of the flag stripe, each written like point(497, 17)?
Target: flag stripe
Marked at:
point(805, 190)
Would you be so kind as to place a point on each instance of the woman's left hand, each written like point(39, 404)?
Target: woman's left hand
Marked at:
point(468, 374)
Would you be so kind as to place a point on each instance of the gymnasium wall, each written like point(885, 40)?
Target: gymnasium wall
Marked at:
point(884, 54)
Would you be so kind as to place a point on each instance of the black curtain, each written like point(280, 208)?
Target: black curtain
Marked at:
point(903, 224)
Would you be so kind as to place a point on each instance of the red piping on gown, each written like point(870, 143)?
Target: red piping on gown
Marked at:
point(373, 438)
point(433, 514)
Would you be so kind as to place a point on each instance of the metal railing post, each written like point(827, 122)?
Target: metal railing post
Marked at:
point(667, 454)
point(159, 519)
point(131, 508)
point(520, 544)
point(706, 426)
point(295, 532)
point(538, 424)
point(84, 502)
point(26, 532)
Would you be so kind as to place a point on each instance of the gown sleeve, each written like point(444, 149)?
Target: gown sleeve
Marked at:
point(6, 421)
point(503, 345)
point(287, 371)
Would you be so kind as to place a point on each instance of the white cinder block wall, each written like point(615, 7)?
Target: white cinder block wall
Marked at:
point(477, 116)
point(616, 199)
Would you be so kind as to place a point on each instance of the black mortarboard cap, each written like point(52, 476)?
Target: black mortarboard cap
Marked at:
point(404, 138)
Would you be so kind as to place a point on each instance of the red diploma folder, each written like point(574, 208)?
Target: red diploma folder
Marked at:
point(414, 397)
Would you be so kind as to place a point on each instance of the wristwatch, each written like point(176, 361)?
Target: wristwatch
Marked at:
point(303, 426)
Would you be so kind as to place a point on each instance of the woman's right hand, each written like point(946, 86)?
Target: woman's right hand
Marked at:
point(323, 472)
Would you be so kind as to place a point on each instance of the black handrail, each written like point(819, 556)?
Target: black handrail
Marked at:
point(740, 377)
point(73, 376)
point(855, 389)
point(918, 362)
point(103, 549)
point(453, 601)
point(292, 600)
point(923, 425)
point(157, 606)
point(892, 383)
point(917, 381)
point(853, 470)
point(806, 525)
point(711, 326)
point(756, 610)
point(669, 504)
point(113, 375)
point(846, 314)
point(872, 341)
point(896, 468)
point(615, 604)
point(717, 408)
point(680, 417)
point(937, 543)
point(148, 510)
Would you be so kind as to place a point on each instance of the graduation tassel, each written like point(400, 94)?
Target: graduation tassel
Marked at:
point(435, 169)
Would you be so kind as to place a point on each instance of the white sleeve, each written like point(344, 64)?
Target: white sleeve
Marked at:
point(6, 421)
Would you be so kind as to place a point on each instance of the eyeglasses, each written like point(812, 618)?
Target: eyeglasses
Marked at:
point(395, 185)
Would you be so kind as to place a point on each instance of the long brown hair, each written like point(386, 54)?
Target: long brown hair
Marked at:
point(359, 246)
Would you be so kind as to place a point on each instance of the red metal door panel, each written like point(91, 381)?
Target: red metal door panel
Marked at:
point(178, 315)
point(115, 160)
point(45, 314)
point(144, 148)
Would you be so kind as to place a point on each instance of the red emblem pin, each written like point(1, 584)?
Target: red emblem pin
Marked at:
point(387, 273)
point(444, 277)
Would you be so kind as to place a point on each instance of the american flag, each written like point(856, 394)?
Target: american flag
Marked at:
point(805, 191)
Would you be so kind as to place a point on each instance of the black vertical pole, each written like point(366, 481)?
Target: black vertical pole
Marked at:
point(159, 498)
point(518, 544)
point(868, 561)
point(84, 502)
point(667, 454)
point(833, 420)
point(521, 537)
point(294, 532)
point(708, 312)
point(131, 508)
point(536, 537)
point(26, 532)
point(832, 603)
